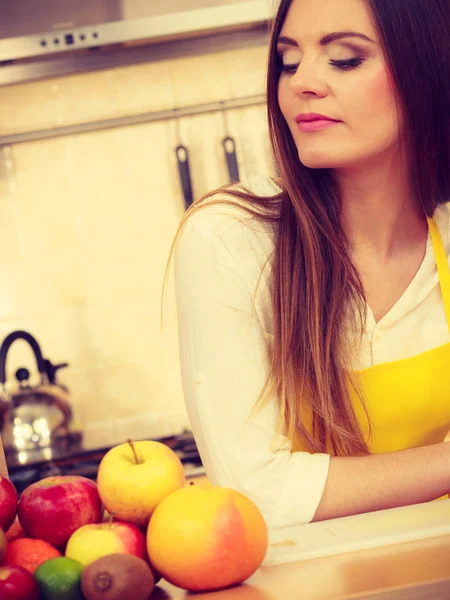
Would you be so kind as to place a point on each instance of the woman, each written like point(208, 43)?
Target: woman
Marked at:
point(314, 311)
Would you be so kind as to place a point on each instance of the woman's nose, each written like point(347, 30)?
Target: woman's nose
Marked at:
point(306, 80)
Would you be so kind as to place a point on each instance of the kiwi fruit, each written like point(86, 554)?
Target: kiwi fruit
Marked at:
point(117, 576)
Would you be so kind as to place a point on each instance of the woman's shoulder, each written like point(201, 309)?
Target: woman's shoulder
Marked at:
point(262, 185)
point(234, 211)
point(221, 229)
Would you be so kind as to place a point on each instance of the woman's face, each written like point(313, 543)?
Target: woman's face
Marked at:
point(343, 78)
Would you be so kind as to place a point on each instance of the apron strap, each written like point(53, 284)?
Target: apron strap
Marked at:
point(442, 265)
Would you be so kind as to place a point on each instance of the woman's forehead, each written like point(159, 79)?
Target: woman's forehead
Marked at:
point(312, 19)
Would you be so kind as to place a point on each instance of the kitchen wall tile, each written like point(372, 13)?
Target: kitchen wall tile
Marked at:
point(17, 289)
point(50, 282)
point(109, 279)
point(151, 176)
point(246, 71)
point(28, 107)
point(137, 273)
point(123, 331)
point(56, 281)
point(200, 79)
point(125, 390)
point(86, 97)
point(151, 84)
point(10, 232)
point(103, 215)
point(44, 206)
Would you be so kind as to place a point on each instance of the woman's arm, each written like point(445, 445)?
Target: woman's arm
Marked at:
point(362, 484)
point(3, 467)
point(224, 362)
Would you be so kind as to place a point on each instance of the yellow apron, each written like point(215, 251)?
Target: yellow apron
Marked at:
point(408, 401)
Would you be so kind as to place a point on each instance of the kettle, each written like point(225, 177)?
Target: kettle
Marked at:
point(34, 415)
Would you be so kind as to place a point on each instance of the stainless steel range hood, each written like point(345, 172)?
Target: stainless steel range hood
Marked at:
point(35, 29)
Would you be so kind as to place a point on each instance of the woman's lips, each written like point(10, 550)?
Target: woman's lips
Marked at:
point(316, 125)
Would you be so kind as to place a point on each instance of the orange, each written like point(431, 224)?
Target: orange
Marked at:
point(29, 553)
point(205, 538)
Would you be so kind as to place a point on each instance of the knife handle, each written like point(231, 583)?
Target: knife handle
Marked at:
point(229, 146)
point(185, 174)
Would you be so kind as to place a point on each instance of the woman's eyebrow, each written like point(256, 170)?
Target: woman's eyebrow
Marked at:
point(328, 39)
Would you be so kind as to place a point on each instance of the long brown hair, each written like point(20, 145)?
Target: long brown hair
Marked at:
point(315, 285)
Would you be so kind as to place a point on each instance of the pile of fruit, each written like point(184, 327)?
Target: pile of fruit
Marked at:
point(68, 538)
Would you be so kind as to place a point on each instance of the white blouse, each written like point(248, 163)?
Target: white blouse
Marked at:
point(220, 262)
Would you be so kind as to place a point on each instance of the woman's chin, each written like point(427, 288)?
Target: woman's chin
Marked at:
point(316, 161)
point(321, 160)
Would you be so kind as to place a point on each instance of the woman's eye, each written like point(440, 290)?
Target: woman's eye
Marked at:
point(289, 69)
point(347, 65)
point(341, 65)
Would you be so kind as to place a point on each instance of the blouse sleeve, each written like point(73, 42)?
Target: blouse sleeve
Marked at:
point(224, 362)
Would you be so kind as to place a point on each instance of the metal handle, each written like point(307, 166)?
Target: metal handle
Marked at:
point(185, 174)
point(229, 146)
point(9, 340)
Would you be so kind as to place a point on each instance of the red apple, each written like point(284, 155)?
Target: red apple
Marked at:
point(17, 584)
point(53, 508)
point(94, 541)
point(8, 503)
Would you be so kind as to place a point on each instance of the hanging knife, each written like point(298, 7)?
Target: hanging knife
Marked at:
point(229, 147)
point(185, 174)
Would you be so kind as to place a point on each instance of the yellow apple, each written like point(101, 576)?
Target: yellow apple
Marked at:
point(133, 478)
point(91, 542)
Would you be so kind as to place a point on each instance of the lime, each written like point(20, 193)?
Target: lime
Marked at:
point(60, 579)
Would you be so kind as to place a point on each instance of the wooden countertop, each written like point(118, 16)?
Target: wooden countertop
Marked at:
point(413, 571)
point(417, 570)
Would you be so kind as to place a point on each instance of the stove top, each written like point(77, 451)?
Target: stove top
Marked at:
point(69, 458)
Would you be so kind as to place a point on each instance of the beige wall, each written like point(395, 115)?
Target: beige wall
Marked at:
point(86, 222)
